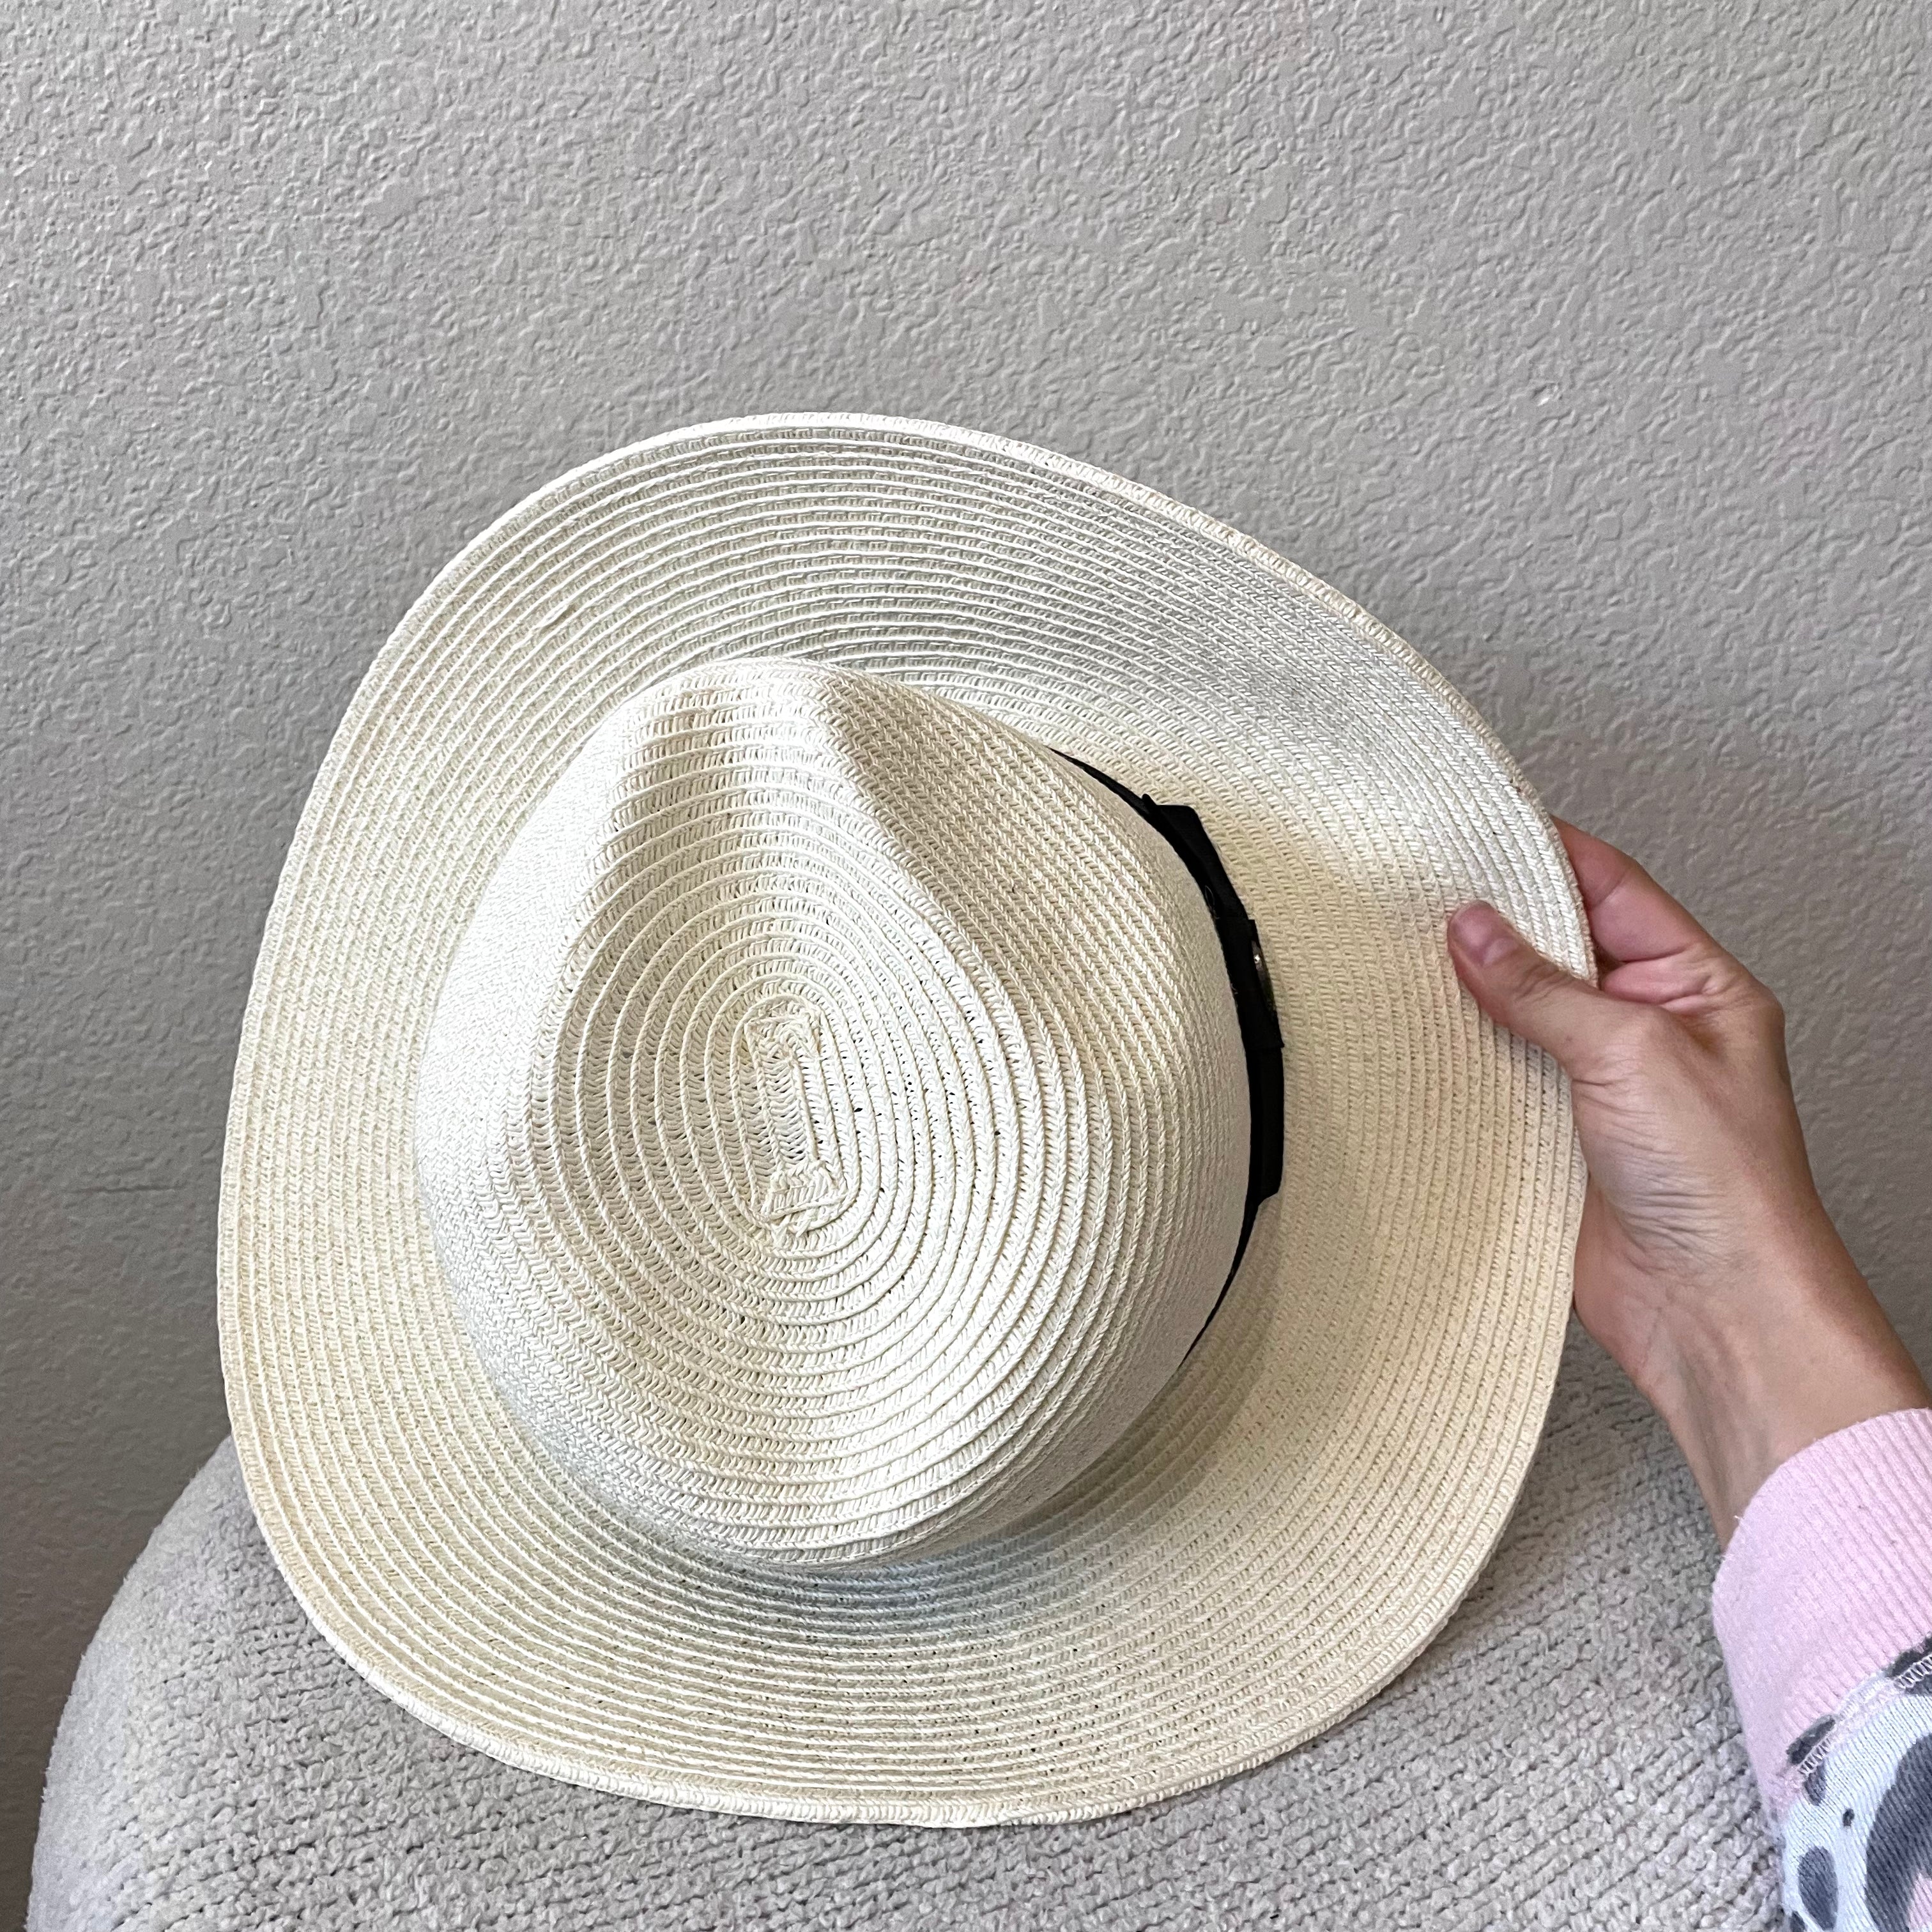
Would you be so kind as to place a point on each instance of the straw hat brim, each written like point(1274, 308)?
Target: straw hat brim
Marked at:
point(1302, 1508)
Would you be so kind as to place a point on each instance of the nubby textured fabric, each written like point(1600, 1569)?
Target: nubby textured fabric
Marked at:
point(1564, 1755)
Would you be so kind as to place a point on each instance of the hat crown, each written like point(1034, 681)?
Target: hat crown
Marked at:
point(834, 1124)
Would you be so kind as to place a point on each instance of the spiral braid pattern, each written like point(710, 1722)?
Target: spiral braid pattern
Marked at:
point(833, 1125)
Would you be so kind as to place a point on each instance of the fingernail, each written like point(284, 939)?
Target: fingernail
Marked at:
point(1482, 933)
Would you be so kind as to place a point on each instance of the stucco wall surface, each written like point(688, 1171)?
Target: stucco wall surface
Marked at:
point(1583, 342)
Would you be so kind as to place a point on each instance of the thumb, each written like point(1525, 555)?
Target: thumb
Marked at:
point(1515, 985)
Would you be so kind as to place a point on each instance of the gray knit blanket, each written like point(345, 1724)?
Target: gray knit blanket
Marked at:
point(1565, 1755)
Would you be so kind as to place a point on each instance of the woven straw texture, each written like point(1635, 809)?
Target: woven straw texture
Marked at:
point(1301, 1507)
point(834, 1126)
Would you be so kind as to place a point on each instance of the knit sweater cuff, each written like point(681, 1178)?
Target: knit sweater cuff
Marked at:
point(1828, 1580)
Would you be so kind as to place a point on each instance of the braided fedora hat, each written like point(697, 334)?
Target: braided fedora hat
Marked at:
point(858, 1186)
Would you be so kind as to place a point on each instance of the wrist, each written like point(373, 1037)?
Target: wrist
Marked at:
point(1747, 1379)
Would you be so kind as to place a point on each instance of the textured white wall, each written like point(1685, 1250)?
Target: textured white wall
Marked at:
point(1584, 342)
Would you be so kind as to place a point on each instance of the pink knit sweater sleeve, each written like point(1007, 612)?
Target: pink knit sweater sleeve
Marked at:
point(1823, 1605)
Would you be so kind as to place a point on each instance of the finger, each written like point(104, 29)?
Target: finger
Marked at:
point(1631, 916)
point(1517, 987)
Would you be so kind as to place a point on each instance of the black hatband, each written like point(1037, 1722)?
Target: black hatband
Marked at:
point(1181, 825)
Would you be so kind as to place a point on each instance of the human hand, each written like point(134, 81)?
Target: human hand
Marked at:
point(1706, 1263)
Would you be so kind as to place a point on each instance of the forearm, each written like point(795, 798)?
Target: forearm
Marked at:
point(1747, 1382)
